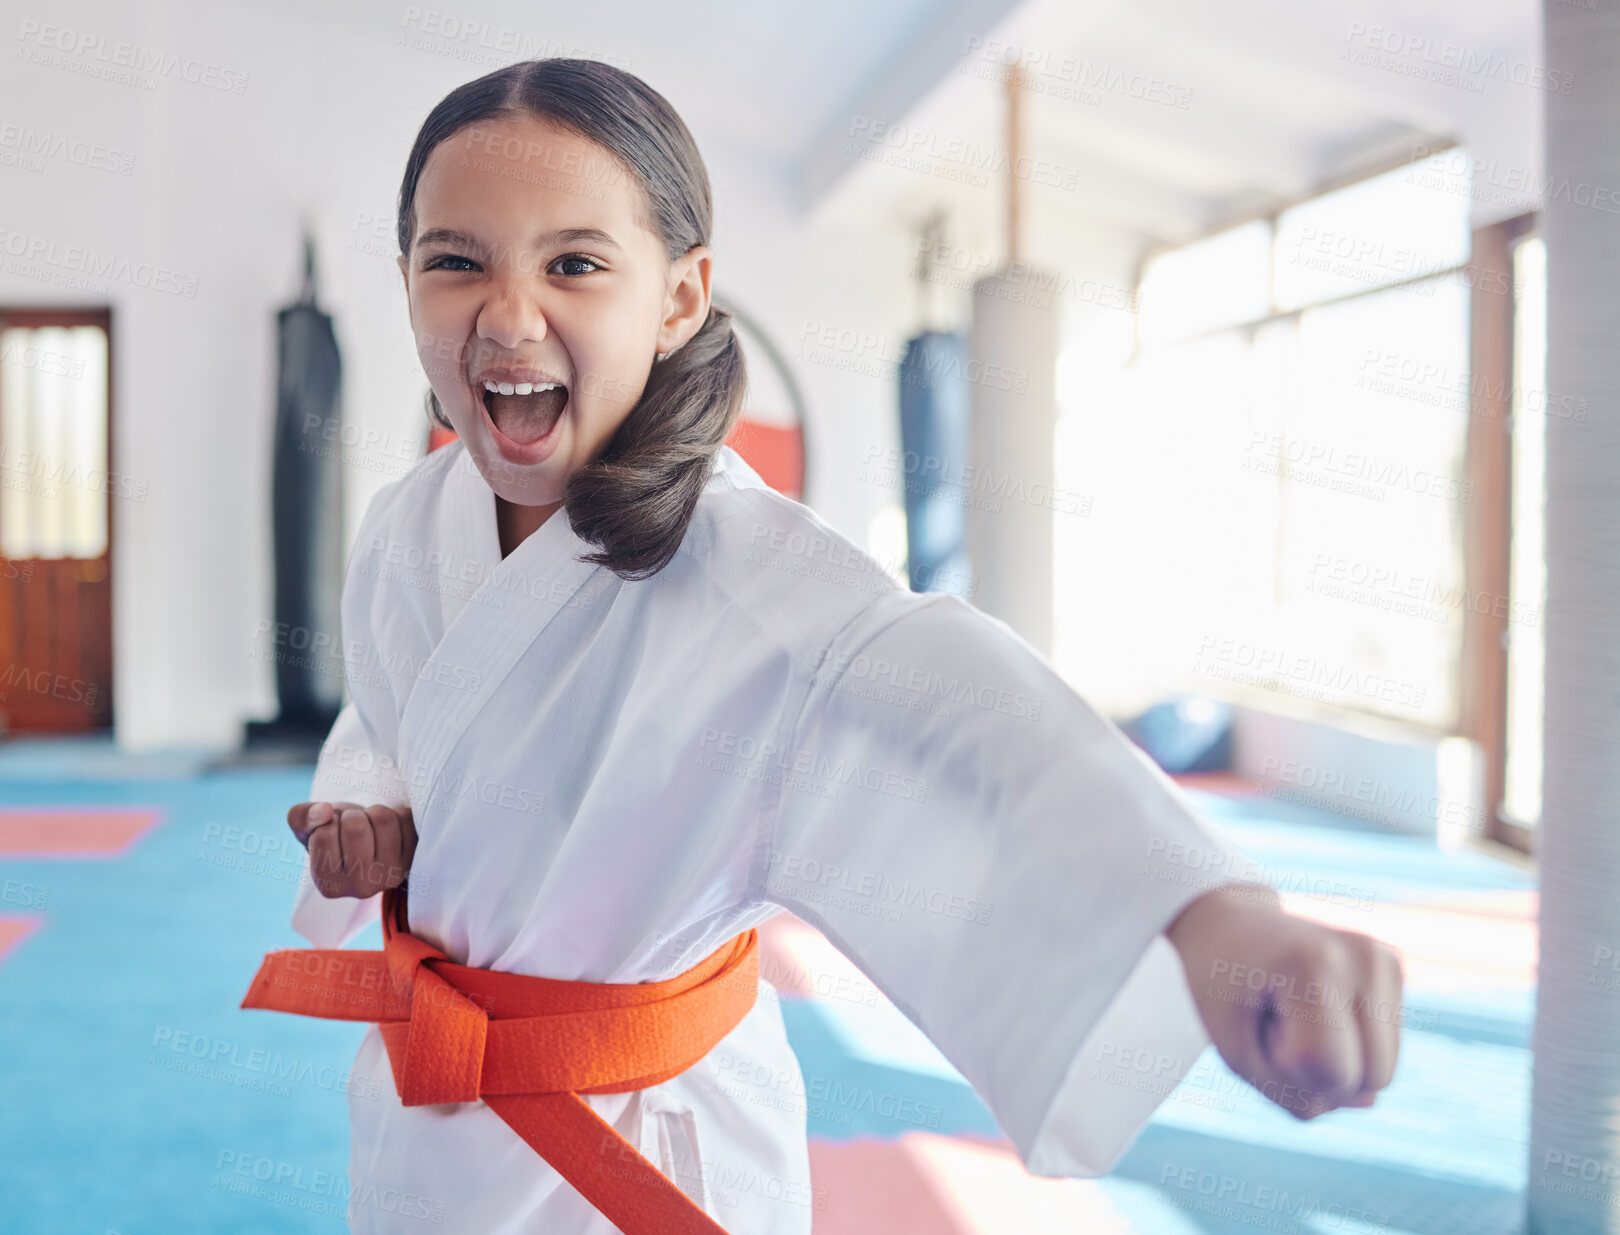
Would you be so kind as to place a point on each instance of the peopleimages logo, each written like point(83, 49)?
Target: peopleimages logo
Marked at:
point(1461, 61)
point(933, 152)
point(791, 868)
point(1262, 1205)
point(300, 1187)
point(1041, 68)
point(844, 667)
point(97, 51)
point(33, 143)
point(1453, 170)
point(723, 750)
point(77, 259)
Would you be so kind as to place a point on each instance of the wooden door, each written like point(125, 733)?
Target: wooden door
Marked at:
point(57, 480)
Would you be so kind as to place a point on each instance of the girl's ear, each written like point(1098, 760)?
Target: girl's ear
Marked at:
point(686, 300)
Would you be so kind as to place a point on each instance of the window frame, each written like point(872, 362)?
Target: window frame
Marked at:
point(1491, 348)
point(1487, 462)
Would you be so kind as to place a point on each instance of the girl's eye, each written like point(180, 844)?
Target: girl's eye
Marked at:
point(467, 263)
point(578, 258)
point(574, 261)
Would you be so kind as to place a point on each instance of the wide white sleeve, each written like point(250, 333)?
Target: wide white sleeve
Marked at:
point(359, 761)
point(1000, 860)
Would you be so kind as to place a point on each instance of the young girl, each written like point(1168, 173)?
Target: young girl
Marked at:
point(614, 703)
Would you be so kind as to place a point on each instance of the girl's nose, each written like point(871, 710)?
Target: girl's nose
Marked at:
point(511, 316)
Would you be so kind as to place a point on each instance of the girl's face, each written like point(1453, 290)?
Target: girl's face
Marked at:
point(529, 269)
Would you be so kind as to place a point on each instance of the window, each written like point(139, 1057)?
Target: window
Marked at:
point(1277, 472)
point(53, 427)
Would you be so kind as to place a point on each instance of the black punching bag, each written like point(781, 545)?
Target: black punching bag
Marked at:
point(307, 514)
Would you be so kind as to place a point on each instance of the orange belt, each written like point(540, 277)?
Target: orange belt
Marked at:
point(530, 1046)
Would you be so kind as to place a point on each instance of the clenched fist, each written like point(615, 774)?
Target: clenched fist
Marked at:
point(1307, 1014)
point(355, 850)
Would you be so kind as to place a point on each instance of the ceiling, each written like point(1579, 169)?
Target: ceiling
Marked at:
point(1159, 119)
point(762, 79)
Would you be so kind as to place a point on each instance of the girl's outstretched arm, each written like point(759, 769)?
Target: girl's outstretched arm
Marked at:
point(1003, 863)
point(1042, 900)
point(1307, 1014)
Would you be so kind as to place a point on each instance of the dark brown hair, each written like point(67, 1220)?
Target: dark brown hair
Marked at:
point(636, 499)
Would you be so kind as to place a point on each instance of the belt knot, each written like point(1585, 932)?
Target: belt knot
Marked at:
point(444, 1042)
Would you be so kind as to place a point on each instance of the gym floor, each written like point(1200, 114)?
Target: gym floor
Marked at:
point(137, 895)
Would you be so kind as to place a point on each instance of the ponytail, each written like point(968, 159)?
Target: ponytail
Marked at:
point(635, 501)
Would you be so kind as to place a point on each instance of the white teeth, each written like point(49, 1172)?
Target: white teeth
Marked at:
point(518, 388)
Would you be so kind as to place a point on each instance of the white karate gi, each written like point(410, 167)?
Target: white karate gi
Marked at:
point(610, 779)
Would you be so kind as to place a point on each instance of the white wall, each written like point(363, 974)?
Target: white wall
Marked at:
point(219, 183)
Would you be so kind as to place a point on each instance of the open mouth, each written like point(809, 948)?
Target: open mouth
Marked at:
point(524, 417)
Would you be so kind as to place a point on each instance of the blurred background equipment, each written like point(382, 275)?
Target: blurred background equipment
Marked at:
point(307, 523)
point(1012, 371)
point(770, 433)
point(934, 424)
point(1185, 734)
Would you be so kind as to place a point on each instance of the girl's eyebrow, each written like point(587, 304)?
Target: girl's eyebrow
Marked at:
point(562, 235)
